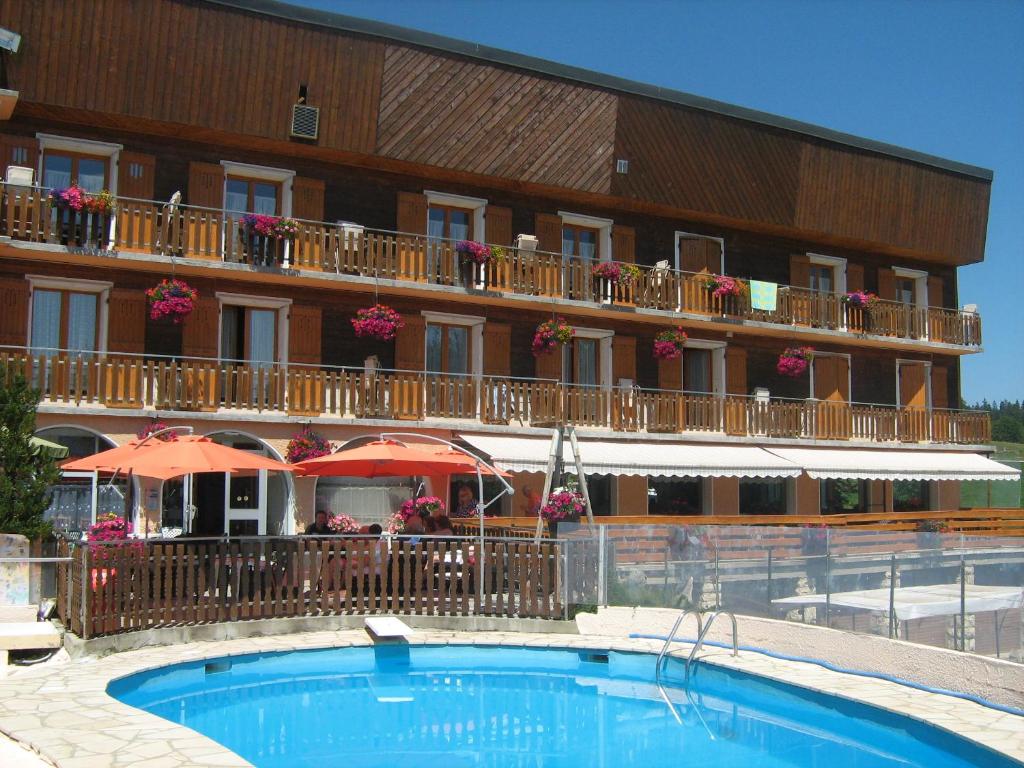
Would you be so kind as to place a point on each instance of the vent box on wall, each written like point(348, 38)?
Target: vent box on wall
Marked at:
point(305, 121)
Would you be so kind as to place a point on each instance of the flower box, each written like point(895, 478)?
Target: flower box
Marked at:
point(794, 361)
point(379, 322)
point(80, 218)
point(550, 334)
point(859, 299)
point(171, 300)
point(265, 236)
point(722, 286)
point(668, 344)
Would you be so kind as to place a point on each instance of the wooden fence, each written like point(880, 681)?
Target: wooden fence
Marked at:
point(109, 588)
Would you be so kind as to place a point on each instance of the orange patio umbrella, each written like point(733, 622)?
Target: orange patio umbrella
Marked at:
point(388, 458)
point(186, 455)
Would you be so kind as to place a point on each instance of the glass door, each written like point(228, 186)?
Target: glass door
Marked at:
point(245, 501)
point(450, 388)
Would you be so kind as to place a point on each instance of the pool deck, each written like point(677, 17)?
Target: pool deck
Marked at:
point(64, 713)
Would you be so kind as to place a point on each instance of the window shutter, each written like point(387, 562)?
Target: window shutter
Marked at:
point(307, 199)
point(712, 255)
point(412, 213)
point(824, 377)
point(886, 284)
point(304, 329)
point(842, 391)
point(735, 371)
point(136, 175)
point(940, 386)
point(623, 244)
point(548, 229)
point(692, 257)
point(205, 185)
point(19, 150)
point(549, 366)
point(410, 344)
point(935, 291)
point(126, 313)
point(497, 349)
point(799, 271)
point(14, 292)
point(854, 277)
point(623, 359)
point(200, 333)
point(670, 375)
point(498, 223)
point(912, 389)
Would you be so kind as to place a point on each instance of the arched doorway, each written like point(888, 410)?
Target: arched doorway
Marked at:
point(245, 504)
point(77, 494)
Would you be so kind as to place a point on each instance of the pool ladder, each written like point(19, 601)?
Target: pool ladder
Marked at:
point(702, 631)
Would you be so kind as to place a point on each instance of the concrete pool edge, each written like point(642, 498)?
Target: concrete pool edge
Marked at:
point(66, 715)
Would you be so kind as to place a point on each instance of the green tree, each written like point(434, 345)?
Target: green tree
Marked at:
point(26, 473)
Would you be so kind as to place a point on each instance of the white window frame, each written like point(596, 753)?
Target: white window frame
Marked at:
point(604, 338)
point(920, 278)
point(84, 147)
point(900, 362)
point(283, 307)
point(603, 227)
point(477, 205)
point(717, 362)
point(476, 325)
point(680, 235)
point(100, 287)
point(839, 268)
point(265, 173)
point(849, 373)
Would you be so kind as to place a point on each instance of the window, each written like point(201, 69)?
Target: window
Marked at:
point(697, 371)
point(71, 500)
point(580, 241)
point(368, 501)
point(249, 333)
point(822, 278)
point(762, 496)
point(448, 348)
point(581, 362)
point(449, 222)
point(65, 319)
point(62, 168)
point(246, 195)
point(905, 290)
point(843, 495)
point(674, 496)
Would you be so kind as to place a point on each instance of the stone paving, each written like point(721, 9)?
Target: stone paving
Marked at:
point(65, 715)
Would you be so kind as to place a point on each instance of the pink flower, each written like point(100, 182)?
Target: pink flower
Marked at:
point(794, 361)
point(379, 322)
point(561, 505)
point(473, 251)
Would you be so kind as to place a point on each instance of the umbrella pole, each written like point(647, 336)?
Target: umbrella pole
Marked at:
point(480, 554)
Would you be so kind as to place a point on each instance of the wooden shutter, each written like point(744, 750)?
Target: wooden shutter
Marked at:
point(548, 229)
point(824, 377)
point(623, 359)
point(307, 199)
point(670, 375)
point(712, 255)
point(698, 254)
point(497, 349)
point(410, 344)
point(854, 277)
point(912, 388)
point(842, 390)
point(735, 371)
point(200, 334)
point(800, 271)
point(14, 293)
point(498, 225)
point(549, 366)
point(126, 314)
point(304, 330)
point(935, 287)
point(205, 185)
point(136, 175)
point(26, 147)
point(940, 386)
point(623, 244)
point(412, 213)
point(886, 284)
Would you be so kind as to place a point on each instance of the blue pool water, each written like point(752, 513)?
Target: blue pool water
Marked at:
point(454, 706)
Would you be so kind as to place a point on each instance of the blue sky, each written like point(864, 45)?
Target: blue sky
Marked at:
point(944, 77)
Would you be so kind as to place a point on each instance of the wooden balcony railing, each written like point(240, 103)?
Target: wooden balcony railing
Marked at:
point(165, 384)
point(199, 233)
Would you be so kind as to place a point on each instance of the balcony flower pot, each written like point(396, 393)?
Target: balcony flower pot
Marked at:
point(265, 238)
point(80, 218)
point(722, 286)
point(473, 257)
point(668, 344)
point(793, 362)
point(171, 300)
point(379, 322)
point(550, 335)
point(562, 506)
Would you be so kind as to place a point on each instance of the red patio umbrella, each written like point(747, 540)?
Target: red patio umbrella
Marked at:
point(388, 458)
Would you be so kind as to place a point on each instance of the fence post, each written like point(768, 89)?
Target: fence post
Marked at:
point(563, 544)
point(828, 587)
point(84, 607)
point(602, 568)
point(963, 604)
point(769, 585)
point(718, 584)
point(892, 595)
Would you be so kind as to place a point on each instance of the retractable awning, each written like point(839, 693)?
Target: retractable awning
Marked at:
point(659, 458)
point(882, 464)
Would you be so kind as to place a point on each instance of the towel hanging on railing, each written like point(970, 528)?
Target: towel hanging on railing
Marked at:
point(763, 295)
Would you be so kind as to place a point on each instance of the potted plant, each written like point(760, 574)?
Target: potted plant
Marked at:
point(722, 286)
point(473, 256)
point(264, 237)
point(424, 506)
point(859, 299)
point(668, 344)
point(307, 444)
point(82, 218)
point(794, 361)
point(858, 309)
point(342, 524)
point(110, 535)
point(171, 300)
point(550, 334)
point(379, 322)
point(609, 274)
point(561, 505)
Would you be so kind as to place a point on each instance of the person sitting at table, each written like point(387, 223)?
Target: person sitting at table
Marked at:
point(533, 501)
point(319, 526)
point(466, 506)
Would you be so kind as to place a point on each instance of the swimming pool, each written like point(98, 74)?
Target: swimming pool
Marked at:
point(410, 706)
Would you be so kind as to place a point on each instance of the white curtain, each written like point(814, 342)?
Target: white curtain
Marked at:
point(586, 351)
point(261, 335)
point(82, 322)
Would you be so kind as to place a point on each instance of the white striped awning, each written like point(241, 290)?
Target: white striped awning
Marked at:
point(658, 458)
point(882, 464)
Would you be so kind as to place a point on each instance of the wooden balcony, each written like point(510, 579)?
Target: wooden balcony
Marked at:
point(116, 381)
point(210, 235)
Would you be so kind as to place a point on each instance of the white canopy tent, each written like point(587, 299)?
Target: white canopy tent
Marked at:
point(918, 602)
point(884, 464)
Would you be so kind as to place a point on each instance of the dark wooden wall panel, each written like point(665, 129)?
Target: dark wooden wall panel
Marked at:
point(456, 113)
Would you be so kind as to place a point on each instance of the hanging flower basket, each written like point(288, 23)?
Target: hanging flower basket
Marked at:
point(723, 285)
point(860, 299)
point(562, 506)
point(307, 444)
point(550, 334)
point(157, 426)
point(668, 344)
point(342, 524)
point(794, 361)
point(173, 300)
point(378, 322)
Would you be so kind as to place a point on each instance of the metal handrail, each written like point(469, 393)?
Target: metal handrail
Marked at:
point(671, 637)
point(700, 639)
